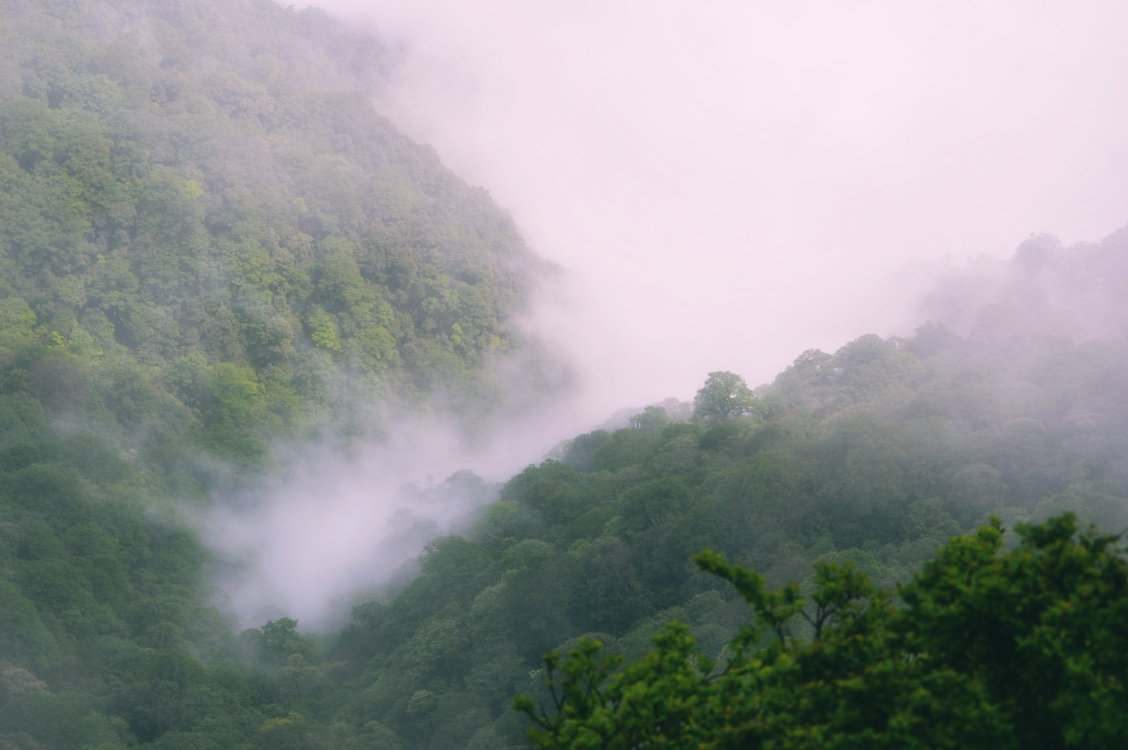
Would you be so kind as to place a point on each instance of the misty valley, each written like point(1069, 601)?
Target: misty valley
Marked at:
point(220, 264)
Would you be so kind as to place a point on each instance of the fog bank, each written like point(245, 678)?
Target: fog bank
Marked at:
point(737, 182)
point(726, 186)
point(335, 525)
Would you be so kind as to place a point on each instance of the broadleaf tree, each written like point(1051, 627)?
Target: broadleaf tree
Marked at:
point(984, 648)
point(725, 395)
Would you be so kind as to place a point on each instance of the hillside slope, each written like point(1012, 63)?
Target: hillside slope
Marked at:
point(876, 455)
point(209, 240)
point(211, 237)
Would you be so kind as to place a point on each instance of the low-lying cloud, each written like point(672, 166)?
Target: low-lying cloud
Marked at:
point(336, 524)
point(737, 182)
point(726, 186)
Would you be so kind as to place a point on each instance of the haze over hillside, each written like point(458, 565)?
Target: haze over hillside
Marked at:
point(737, 183)
point(277, 386)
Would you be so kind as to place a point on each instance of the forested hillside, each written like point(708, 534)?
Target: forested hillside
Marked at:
point(875, 455)
point(210, 240)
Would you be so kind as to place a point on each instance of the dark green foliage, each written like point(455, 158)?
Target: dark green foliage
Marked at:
point(625, 448)
point(990, 649)
point(102, 633)
point(865, 461)
point(278, 640)
point(581, 450)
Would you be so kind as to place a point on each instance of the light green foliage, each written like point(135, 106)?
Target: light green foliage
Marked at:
point(152, 210)
point(17, 321)
point(650, 419)
point(322, 329)
point(724, 395)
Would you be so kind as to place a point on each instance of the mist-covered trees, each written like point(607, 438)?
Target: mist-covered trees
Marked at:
point(209, 240)
point(103, 632)
point(873, 457)
point(187, 198)
point(724, 395)
point(650, 419)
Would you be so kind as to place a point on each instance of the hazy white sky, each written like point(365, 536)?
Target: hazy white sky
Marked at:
point(730, 183)
point(735, 182)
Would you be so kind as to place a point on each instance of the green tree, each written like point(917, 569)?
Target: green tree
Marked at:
point(992, 649)
point(277, 640)
point(724, 395)
point(650, 419)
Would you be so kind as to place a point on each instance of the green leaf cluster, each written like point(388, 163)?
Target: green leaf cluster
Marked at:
point(983, 648)
point(104, 637)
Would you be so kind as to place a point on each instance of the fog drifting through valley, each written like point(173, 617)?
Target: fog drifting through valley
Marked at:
point(737, 182)
point(725, 186)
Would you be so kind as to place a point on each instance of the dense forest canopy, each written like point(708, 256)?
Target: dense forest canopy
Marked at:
point(210, 240)
point(984, 648)
point(214, 241)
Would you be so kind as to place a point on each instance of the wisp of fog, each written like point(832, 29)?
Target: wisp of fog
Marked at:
point(725, 186)
point(738, 182)
point(333, 525)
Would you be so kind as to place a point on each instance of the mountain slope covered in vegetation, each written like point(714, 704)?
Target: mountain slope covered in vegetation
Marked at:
point(213, 242)
point(875, 456)
point(209, 240)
